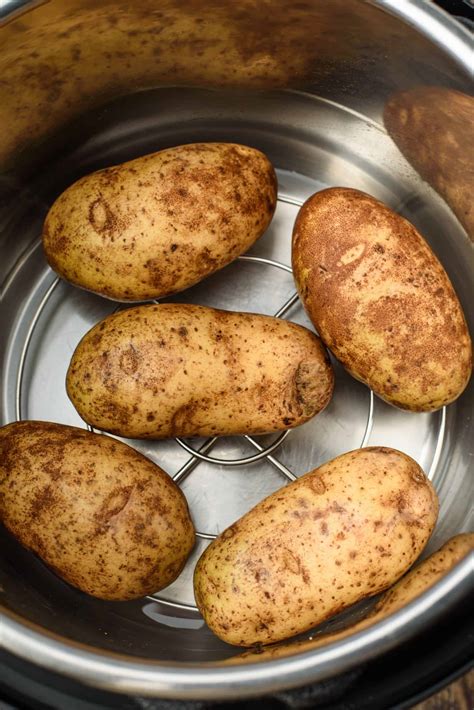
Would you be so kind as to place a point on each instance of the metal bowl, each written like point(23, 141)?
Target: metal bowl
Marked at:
point(319, 119)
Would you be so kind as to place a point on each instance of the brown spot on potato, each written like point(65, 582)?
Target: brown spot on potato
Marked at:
point(228, 533)
point(101, 216)
point(130, 360)
point(308, 394)
point(291, 561)
point(43, 502)
point(316, 483)
point(418, 476)
point(113, 504)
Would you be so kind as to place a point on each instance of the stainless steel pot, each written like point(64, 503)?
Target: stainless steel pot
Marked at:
point(84, 85)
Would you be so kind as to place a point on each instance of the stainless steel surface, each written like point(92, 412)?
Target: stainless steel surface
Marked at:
point(318, 133)
point(11, 9)
point(454, 38)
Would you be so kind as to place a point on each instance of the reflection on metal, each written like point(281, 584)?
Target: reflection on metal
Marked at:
point(26, 345)
point(153, 612)
point(12, 9)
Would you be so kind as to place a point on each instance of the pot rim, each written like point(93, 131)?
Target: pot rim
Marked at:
point(191, 681)
point(123, 674)
point(436, 25)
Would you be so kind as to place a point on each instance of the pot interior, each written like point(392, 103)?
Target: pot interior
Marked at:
point(324, 129)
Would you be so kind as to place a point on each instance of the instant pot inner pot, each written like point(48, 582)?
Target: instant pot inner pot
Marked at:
point(313, 143)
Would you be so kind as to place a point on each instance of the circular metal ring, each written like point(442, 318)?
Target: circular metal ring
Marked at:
point(206, 536)
point(264, 260)
point(235, 462)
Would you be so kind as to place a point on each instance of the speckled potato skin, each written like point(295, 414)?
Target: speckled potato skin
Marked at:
point(343, 532)
point(432, 126)
point(159, 224)
point(158, 371)
point(99, 514)
point(413, 584)
point(380, 299)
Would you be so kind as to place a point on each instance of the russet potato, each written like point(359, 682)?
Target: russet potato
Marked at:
point(345, 531)
point(380, 299)
point(162, 222)
point(158, 371)
point(414, 583)
point(102, 516)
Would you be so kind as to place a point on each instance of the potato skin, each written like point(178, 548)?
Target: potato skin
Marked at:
point(159, 371)
point(343, 532)
point(414, 583)
point(102, 516)
point(380, 299)
point(161, 223)
point(430, 126)
point(424, 575)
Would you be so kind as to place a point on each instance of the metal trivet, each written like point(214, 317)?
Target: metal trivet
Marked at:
point(203, 453)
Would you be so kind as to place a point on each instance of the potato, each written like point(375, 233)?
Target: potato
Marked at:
point(413, 584)
point(99, 514)
point(160, 223)
point(432, 126)
point(343, 532)
point(380, 299)
point(424, 575)
point(183, 370)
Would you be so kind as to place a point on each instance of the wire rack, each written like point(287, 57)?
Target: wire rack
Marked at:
point(203, 453)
